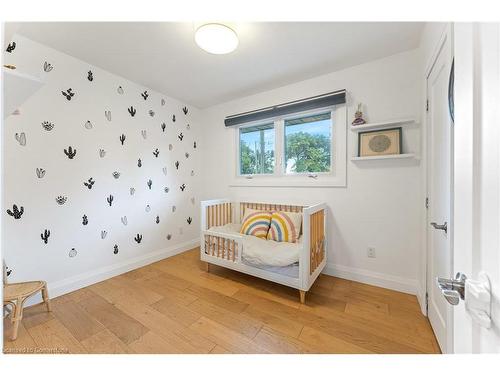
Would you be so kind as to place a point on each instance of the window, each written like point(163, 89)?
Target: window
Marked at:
point(257, 149)
point(308, 143)
point(302, 149)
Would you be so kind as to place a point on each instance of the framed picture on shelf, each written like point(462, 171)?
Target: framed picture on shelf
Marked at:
point(380, 142)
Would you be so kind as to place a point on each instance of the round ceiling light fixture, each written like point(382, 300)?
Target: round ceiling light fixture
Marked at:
point(216, 38)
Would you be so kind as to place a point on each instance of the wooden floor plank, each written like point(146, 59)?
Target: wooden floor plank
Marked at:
point(52, 335)
point(120, 324)
point(227, 338)
point(105, 342)
point(175, 306)
point(76, 320)
point(245, 325)
point(165, 327)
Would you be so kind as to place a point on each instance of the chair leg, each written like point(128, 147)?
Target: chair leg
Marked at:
point(302, 296)
point(16, 318)
point(45, 296)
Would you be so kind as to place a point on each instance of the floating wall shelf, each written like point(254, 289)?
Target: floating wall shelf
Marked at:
point(381, 157)
point(383, 125)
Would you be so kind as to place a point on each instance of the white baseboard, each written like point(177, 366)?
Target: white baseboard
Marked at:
point(382, 280)
point(71, 284)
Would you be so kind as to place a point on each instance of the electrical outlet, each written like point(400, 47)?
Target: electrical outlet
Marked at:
point(371, 253)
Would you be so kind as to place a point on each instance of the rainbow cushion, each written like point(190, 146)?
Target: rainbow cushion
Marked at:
point(256, 223)
point(285, 226)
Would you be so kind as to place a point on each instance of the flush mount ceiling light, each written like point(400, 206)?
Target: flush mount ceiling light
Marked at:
point(216, 38)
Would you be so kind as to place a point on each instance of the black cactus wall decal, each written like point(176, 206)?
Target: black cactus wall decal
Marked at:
point(11, 47)
point(90, 76)
point(85, 220)
point(173, 118)
point(177, 164)
point(90, 182)
point(107, 114)
point(132, 111)
point(144, 134)
point(116, 175)
point(182, 187)
point(139, 163)
point(166, 189)
point(169, 237)
point(9, 271)
point(163, 127)
point(16, 212)
point(47, 125)
point(151, 113)
point(138, 238)
point(60, 200)
point(194, 144)
point(164, 169)
point(70, 153)
point(115, 249)
point(88, 125)
point(157, 219)
point(47, 67)
point(45, 236)
point(185, 110)
point(163, 102)
point(68, 94)
point(186, 155)
point(103, 234)
point(145, 95)
point(180, 136)
point(156, 152)
point(120, 90)
point(170, 147)
point(149, 183)
point(189, 220)
point(188, 127)
point(122, 139)
point(110, 200)
point(124, 220)
point(40, 172)
point(102, 153)
point(72, 253)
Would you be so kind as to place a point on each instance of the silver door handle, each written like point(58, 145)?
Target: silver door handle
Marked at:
point(453, 289)
point(440, 227)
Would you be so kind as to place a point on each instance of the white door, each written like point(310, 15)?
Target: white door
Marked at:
point(439, 164)
point(476, 184)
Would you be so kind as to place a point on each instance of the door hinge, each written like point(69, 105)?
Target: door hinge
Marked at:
point(426, 303)
point(427, 106)
point(427, 202)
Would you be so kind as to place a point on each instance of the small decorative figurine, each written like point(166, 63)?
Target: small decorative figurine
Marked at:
point(358, 117)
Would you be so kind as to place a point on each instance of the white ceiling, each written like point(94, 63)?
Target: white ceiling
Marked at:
point(164, 56)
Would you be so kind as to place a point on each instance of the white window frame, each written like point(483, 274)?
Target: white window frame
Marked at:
point(338, 167)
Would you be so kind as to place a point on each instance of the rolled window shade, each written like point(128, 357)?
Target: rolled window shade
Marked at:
point(319, 101)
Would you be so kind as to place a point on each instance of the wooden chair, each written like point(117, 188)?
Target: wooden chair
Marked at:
point(16, 293)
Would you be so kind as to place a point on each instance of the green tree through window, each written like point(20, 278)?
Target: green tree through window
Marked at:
point(257, 149)
point(308, 144)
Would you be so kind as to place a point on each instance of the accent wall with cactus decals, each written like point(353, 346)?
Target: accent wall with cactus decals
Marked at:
point(85, 166)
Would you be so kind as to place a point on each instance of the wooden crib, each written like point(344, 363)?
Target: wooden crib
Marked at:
point(225, 249)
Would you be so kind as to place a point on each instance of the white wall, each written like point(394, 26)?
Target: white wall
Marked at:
point(24, 251)
point(382, 204)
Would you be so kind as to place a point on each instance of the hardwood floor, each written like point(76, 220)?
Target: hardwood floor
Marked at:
point(174, 306)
